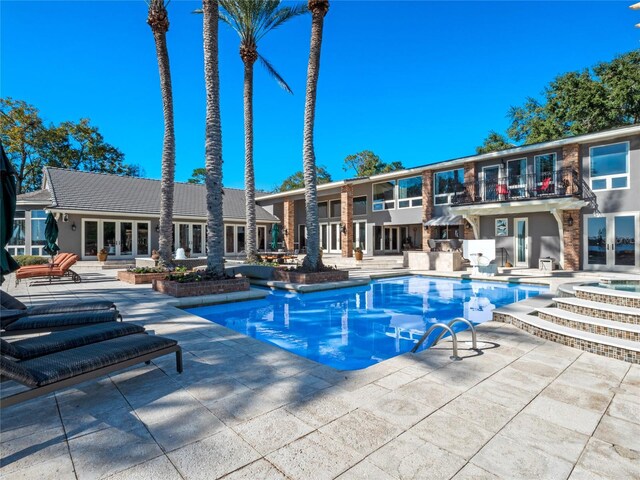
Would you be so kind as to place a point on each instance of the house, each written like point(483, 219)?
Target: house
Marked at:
point(572, 200)
point(121, 214)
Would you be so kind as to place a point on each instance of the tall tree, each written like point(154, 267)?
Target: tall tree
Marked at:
point(213, 140)
point(32, 145)
point(198, 175)
point(158, 20)
point(312, 261)
point(493, 143)
point(295, 181)
point(367, 163)
point(252, 20)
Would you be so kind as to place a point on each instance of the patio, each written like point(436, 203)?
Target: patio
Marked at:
point(244, 409)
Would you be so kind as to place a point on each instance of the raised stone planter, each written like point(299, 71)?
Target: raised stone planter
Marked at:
point(193, 289)
point(291, 276)
point(138, 278)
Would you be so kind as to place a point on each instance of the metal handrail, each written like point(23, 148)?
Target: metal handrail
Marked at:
point(474, 342)
point(431, 329)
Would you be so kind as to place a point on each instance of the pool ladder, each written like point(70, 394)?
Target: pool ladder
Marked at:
point(446, 327)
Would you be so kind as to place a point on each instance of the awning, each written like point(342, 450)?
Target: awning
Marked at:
point(446, 220)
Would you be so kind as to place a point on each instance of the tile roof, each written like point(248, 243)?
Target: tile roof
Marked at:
point(37, 196)
point(101, 192)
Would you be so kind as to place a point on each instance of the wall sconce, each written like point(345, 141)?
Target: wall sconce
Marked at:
point(570, 221)
point(65, 218)
point(343, 228)
point(285, 232)
point(157, 228)
point(426, 227)
point(73, 227)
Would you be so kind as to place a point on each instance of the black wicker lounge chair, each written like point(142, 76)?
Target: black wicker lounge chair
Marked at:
point(33, 347)
point(14, 322)
point(59, 370)
point(12, 303)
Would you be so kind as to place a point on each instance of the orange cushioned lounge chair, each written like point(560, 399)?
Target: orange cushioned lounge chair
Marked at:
point(61, 267)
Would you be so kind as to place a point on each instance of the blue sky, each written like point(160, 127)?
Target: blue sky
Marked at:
point(415, 82)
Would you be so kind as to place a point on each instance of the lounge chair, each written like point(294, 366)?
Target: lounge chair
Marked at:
point(63, 369)
point(15, 322)
point(38, 346)
point(12, 303)
point(51, 270)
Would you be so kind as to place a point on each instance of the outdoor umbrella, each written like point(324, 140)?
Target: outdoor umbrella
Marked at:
point(274, 236)
point(7, 173)
point(51, 235)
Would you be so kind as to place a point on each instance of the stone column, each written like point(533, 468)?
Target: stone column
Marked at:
point(470, 179)
point(468, 231)
point(571, 160)
point(346, 218)
point(571, 239)
point(289, 224)
point(427, 207)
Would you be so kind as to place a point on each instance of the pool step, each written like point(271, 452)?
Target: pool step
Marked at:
point(599, 310)
point(600, 326)
point(608, 295)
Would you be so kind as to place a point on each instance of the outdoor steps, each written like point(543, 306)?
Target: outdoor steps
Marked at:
point(612, 347)
point(608, 295)
point(599, 326)
point(599, 310)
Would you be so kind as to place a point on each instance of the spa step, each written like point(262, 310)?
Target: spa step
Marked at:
point(599, 326)
point(598, 309)
point(608, 295)
point(611, 347)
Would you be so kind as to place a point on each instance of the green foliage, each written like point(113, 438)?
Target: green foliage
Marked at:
point(295, 181)
point(493, 143)
point(24, 260)
point(198, 175)
point(147, 270)
point(366, 163)
point(575, 103)
point(32, 145)
point(198, 276)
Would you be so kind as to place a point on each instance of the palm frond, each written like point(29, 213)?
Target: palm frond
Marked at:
point(274, 74)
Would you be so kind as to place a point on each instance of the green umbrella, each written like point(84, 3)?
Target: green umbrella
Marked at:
point(8, 180)
point(275, 229)
point(51, 235)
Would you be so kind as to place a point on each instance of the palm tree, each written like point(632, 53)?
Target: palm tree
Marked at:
point(252, 20)
point(158, 20)
point(312, 261)
point(213, 140)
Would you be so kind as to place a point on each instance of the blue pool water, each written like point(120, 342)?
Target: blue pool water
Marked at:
point(353, 328)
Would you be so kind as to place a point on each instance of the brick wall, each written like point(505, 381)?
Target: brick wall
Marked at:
point(571, 239)
point(289, 224)
point(468, 231)
point(346, 218)
point(571, 159)
point(427, 207)
point(470, 178)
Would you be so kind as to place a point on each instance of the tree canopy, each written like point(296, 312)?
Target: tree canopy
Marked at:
point(296, 180)
point(198, 175)
point(366, 163)
point(575, 103)
point(32, 145)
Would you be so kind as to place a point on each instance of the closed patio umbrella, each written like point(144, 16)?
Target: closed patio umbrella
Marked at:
point(275, 230)
point(51, 235)
point(8, 180)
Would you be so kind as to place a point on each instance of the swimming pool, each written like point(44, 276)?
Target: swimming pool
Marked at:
point(353, 328)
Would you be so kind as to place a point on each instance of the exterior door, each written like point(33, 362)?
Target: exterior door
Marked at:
point(335, 243)
point(391, 239)
point(612, 242)
point(120, 238)
point(521, 250)
point(490, 183)
point(324, 237)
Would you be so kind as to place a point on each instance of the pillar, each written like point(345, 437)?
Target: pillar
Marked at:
point(571, 239)
point(427, 208)
point(470, 179)
point(346, 219)
point(289, 224)
point(571, 160)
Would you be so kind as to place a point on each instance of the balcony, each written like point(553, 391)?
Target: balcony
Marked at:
point(556, 184)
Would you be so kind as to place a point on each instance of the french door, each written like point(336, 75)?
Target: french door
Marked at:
point(521, 238)
point(335, 240)
point(190, 236)
point(611, 241)
point(121, 239)
point(391, 239)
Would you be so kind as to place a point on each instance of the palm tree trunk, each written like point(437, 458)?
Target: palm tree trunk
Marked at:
point(159, 23)
point(213, 140)
point(312, 260)
point(249, 177)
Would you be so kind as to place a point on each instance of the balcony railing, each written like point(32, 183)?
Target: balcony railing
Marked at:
point(559, 183)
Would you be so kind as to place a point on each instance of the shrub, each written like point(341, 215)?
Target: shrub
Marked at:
point(24, 260)
point(147, 269)
point(197, 276)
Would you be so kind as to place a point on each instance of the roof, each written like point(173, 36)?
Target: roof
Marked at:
point(101, 192)
point(40, 197)
point(460, 161)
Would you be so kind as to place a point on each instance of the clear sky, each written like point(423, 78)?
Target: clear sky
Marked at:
point(417, 82)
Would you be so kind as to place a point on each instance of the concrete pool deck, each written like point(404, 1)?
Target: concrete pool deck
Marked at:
point(525, 408)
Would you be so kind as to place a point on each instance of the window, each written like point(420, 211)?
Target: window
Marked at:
point(360, 205)
point(383, 196)
point(335, 209)
point(17, 236)
point(322, 210)
point(610, 166)
point(446, 184)
point(38, 218)
point(517, 177)
point(410, 192)
point(545, 166)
